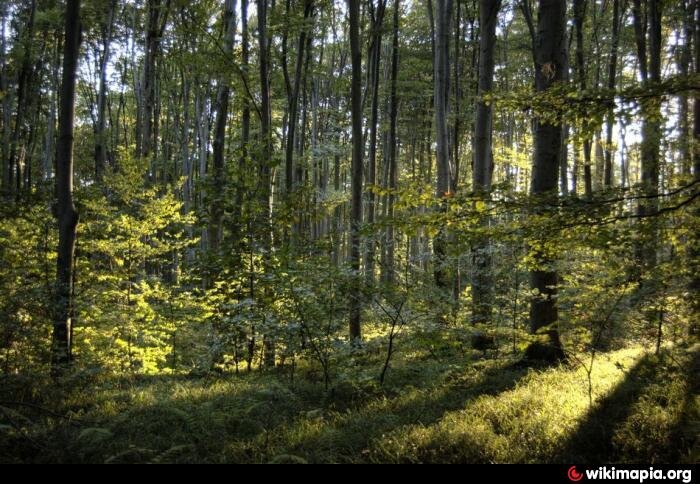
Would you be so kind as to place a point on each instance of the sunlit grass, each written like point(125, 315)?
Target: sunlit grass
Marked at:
point(429, 411)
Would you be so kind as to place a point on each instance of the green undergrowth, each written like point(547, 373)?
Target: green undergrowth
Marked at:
point(644, 409)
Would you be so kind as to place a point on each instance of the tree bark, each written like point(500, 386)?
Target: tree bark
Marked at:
point(482, 168)
point(356, 179)
point(216, 205)
point(265, 162)
point(66, 213)
point(550, 67)
point(650, 68)
point(100, 136)
point(441, 66)
point(393, 162)
point(579, 14)
point(375, 50)
point(612, 77)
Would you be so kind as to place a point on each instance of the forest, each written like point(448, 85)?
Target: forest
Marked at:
point(350, 231)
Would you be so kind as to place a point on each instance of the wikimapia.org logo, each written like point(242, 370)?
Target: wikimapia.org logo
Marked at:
point(684, 475)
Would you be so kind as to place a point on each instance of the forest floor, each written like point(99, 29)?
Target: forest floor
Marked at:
point(645, 409)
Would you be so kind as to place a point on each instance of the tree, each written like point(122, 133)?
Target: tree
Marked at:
point(100, 133)
point(550, 68)
point(612, 77)
point(222, 102)
point(374, 55)
point(66, 214)
point(441, 79)
point(393, 168)
point(649, 57)
point(356, 178)
point(482, 170)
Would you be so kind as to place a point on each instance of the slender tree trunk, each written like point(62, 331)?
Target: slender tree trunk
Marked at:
point(14, 164)
point(293, 109)
point(156, 22)
point(482, 167)
point(216, 205)
point(5, 170)
point(265, 162)
point(393, 162)
point(550, 67)
point(441, 66)
point(612, 77)
point(375, 50)
point(100, 135)
point(579, 15)
point(356, 180)
point(66, 213)
point(650, 68)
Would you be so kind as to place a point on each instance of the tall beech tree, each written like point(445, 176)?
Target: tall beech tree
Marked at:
point(356, 169)
point(66, 213)
point(550, 68)
point(482, 153)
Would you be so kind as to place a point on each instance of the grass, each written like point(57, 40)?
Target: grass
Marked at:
point(645, 409)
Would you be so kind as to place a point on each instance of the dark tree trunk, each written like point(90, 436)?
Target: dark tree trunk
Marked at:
point(612, 77)
point(393, 162)
point(356, 180)
point(579, 14)
point(375, 50)
point(650, 68)
point(441, 66)
point(66, 213)
point(550, 67)
point(14, 169)
point(156, 22)
point(265, 162)
point(293, 109)
point(216, 205)
point(100, 135)
point(482, 168)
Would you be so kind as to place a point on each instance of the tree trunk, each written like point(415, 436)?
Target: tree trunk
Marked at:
point(14, 169)
point(550, 67)
point(441, 66)
point(579, 14)
point(393, 162)
point(482, 169)
point(650, 69)
point(66, 213)
point(265, 161)
point(375, 50)
point(293, 109)
point(157, 18)
point(216, 205)
point(356, 180)
point(612, 77)
point(100, 136)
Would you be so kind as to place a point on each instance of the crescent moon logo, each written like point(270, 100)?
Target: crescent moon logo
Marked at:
point(574, 475)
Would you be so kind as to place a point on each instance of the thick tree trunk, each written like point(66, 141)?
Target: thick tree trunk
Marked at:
point(66, 213)
point(356, 179)
point(550, 67)
point(482, 168)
